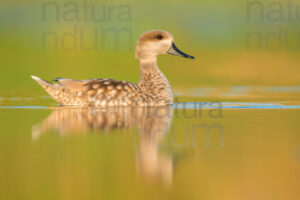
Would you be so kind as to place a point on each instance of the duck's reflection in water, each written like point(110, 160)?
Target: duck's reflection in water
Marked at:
point(152, 122)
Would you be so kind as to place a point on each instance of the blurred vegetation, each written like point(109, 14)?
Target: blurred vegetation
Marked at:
point(214, 32)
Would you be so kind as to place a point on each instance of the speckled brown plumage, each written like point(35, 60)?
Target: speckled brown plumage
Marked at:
point(153, 88)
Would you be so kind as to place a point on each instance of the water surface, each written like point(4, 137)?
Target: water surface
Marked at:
point(213, 143)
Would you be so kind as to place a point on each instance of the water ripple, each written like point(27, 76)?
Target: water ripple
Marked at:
point(198, 105)
point(233, 105)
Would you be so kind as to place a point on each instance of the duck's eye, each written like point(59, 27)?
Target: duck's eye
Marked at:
point(159, 37)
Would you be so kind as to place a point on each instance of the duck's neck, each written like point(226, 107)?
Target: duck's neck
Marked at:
point(153, 82)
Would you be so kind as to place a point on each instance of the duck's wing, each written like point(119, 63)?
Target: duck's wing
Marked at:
point(99, 86)
point(70, 83)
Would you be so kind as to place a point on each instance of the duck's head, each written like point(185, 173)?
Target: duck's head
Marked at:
point(155, 42)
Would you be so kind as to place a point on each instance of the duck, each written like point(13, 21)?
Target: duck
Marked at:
point(153, 88)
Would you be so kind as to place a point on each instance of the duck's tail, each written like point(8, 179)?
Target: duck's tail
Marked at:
point(42, 82)
point(52, 89)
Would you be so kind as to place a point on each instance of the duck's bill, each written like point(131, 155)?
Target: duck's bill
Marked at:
point(175, 51)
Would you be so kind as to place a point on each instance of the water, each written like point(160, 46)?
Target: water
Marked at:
point(213, 143)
